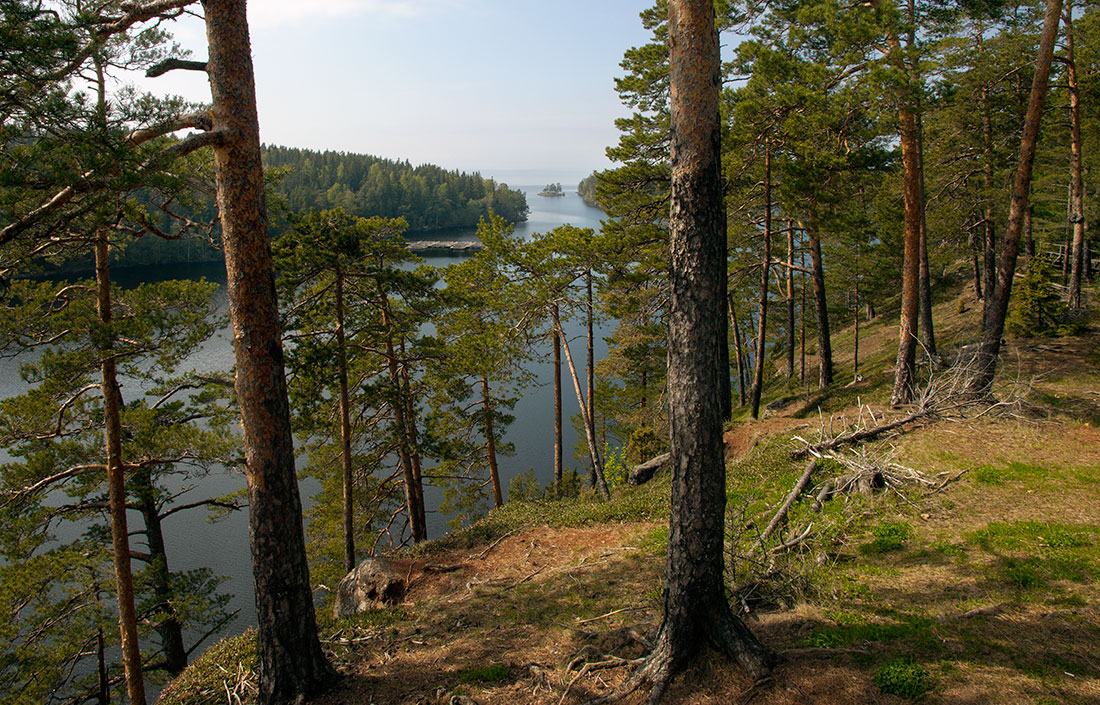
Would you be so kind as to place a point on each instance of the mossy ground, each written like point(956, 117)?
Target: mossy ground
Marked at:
point(983, 590)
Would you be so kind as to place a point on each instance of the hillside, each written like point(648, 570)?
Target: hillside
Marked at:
point(972, 577)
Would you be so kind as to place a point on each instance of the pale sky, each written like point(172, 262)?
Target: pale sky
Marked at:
point(504, 87)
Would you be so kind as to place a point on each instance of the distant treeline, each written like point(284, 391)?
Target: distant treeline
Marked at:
point(428, 197)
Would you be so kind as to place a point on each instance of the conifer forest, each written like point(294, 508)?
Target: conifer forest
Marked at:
point(843, 445)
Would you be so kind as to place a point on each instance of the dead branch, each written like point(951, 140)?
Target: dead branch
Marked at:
point(781, 513)
point(609, 662)
point(860, 435)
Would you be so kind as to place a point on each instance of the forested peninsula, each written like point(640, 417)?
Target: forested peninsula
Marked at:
point(428, 197)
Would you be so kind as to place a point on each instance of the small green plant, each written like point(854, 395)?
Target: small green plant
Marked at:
point(524, 487)
point(887, 538)
point(904, 678)
point(493, 673)
point(616, 467)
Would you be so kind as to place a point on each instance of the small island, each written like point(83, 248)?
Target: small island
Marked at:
point(552, 191)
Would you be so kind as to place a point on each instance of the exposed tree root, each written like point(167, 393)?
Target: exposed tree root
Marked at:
point(672, 653)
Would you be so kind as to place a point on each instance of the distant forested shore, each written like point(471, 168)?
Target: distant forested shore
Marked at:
point(428, 197)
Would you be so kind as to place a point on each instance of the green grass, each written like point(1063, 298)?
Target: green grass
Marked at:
point(1012, 471)
point(853, 629)
point(904, 679)
point(204, 681)
point(887, 538)
point(493, 673)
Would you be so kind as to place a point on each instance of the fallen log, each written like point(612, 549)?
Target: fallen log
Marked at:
point(642, 473)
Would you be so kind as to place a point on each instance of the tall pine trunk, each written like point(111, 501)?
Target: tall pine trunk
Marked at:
point(695, 608)
point(345, 427)
point(1077, 189)
point(761, 339)
point(292, 666)
point(491, 443)
point(912, 177)
point(790, 301)
point(997, 309)
point(821, 309)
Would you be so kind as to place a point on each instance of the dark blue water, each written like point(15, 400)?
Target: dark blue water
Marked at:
point(223, 546)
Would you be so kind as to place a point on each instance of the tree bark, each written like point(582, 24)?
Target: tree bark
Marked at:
point(997, 310)
point(292, 666)
point(116, 481)
point(695, 607)
point(761, 338)
point(1077, 190)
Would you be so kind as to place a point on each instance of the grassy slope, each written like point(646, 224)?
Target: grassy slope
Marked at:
point(983, 592)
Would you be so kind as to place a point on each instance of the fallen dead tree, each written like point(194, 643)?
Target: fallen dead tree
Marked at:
point(946, 394)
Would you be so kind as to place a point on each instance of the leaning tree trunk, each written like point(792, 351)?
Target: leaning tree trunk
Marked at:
point(989, 232)
point(599, 479)
point(1077, 190)
point(414, 493)
point(997, 310)
point(741, 374)
point(292, 666)
point(695, 609)
point(761, 338)
point(116, 481)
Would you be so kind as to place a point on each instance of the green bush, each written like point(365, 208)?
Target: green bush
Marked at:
point(1037, 308)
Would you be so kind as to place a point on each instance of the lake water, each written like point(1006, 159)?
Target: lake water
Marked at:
point(223, 546)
